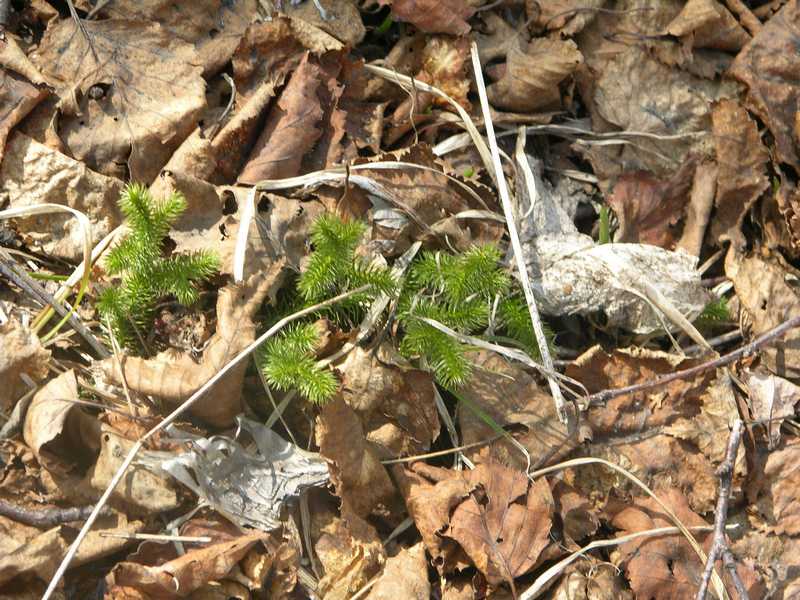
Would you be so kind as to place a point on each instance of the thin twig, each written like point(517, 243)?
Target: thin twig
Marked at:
point(169, 419)
point(157, 537)
point(44, 517)
point(720, 545)
point(743, 352)
point(519, 257)
point(746, 16)
point(32, 287)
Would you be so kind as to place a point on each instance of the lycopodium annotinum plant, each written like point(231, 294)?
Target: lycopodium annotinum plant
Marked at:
point(470, 293)
point(143, 274)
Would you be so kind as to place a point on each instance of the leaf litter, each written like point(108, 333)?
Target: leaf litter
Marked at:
point(651, 156)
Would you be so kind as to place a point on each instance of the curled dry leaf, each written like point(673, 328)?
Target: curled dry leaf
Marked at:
point(22, 354)
point(664, 567)
point(116, 107)
point(767, 299)
point(33, 173)
point(433, 16)
point(214, 27)
point(58, 431)
point(18, 97)
point(404, 576)
point(530, 77)
point(174, 377)
point(579, 518)
point(649, 208)
point(511, 397)
point(186, 573)
point(779, 502)
point(361, 481)
point(12, 58)
point(785, 231)
point(394, 401)
point(708, 24)
point(772, 400)
point(567, 16)
point(742, 160)
point(772, 85)
point(342, 19)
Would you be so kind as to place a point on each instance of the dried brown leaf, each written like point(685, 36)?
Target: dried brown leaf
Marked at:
point(779, 502)
point(18, 97)
point(343, 19)
point(579, 518)
point(530, 77)
point(511, 397)
point(146, 93)
point(361, 481)
point(772, 399)
point(568, 16)
point(767, 66)
point(186, 573)
point(393, 400)
point(22, 354)
point(649, 208)
point(783, 229)
point(404, 576)
point(14, 59)
point(433, 16)
point(708, 24)
point(504, 523)
point(33, 173)
point(768, 299)
point(174, 377)
point(742, 160)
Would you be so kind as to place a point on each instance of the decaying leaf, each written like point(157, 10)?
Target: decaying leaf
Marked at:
point(764, 288)
point(342, 18)
point(22, 354)
point(649, 208)
point(59, 431)
point(772, 399)
point(779, 502)
point(361, 481)
point(17, 98)
point(33, 173)
point(504, 523)
point(433, 16)
point(567, 16)
point(742, 160)
point(175, 377)
point(708, 24)
point(511, 397)
point(529, 78)
point(393, 400)
point(187, 573)
point(117, 106)
point(772, 86)
point(404, 576)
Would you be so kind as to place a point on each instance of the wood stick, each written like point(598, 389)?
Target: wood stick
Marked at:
point(45, 517)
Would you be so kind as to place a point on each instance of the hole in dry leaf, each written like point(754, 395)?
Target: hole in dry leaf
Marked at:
point(264, 203)
point(229, 204)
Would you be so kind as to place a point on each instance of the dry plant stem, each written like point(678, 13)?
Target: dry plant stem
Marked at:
point(746, 16)
point(169, 419)
point(44, 517)
point(720, 545)
point(158, 537)
point(744, 351)
point(508, 210)
point(32, 287)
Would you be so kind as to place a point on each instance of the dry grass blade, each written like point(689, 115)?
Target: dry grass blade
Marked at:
point(166, 421)
point(578, 462)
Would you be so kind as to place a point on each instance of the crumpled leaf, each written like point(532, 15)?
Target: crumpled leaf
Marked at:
point(22, 353)
point(59, 432)
point(342, 19)
point(708, 24)
point(572, 274)
point(214, 26)
point(141, 491)
point(579, 518)
point(664, 567)
point(530, 77)
point(176, 376)
point(648, 208)
point(394, 401)
point(778, 501)
point(568, 16)
point(433, 16)
point(504, 523)
point(511, 397)
point(118, 108)
point(18, 97)
point(742, 160)
point(361, 481)
point(782, 218)
point(772, 399)
point(404, 576)
point(187, 573)
point(247, 487)
point(763, 287)
point(350, 551)
point(772, 85)
point(33, 173)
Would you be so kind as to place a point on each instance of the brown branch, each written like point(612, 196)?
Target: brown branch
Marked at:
point(44, 517)
point(746, 16)
point(719, 548)
point(604, 396)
